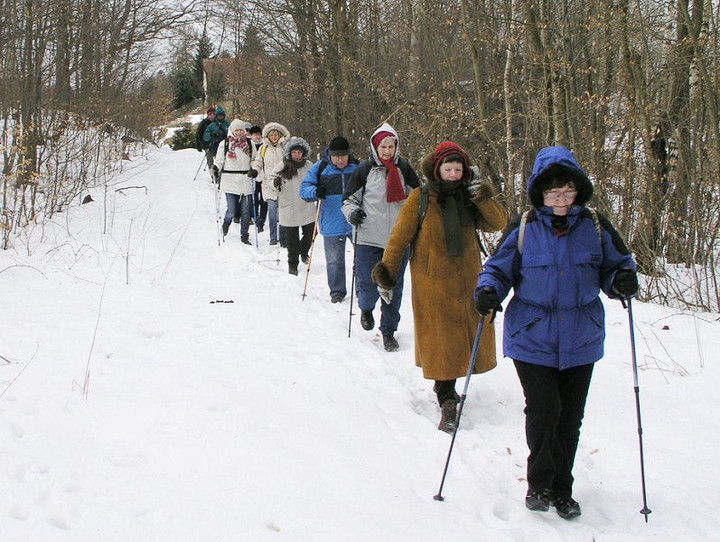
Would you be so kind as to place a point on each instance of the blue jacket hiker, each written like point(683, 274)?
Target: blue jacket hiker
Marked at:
point(325, 181)
point(556, 258)
point(216, 132)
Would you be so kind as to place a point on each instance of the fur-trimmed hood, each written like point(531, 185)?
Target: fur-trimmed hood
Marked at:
point(294, 142)
point(557, 163)
point(270, 126)
point(429, 163)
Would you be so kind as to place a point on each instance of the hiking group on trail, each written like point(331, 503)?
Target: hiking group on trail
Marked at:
point(556, 258)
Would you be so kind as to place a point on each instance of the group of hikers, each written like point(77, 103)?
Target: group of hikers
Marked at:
point(555, 257)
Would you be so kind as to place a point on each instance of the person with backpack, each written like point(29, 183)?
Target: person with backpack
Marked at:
point(556, 258)
point(270, 155)
point(296, 216)
point(325, 182)
point(215, 133)
point(439, 221)
point(372, 200)
point(260, 211)
point(200, 143)
point(237, 177)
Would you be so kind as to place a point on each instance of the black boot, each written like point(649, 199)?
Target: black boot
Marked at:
point(448, 416)
point(225, 228)
point(390, 343)
point(246, 239)
point(566, 507)
point(292, 269)
point(366, 320)
point(538, 501)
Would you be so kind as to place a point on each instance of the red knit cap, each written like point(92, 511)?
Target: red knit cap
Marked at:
point(377, 138)
point(445, 149)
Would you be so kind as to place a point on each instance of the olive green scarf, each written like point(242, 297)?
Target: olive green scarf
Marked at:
point(455, 211)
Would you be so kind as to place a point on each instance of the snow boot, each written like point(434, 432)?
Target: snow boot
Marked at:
point(566, 507)
point(292, 269)
point(538, 501)
point(390, 343)
point(225, 228)
point(366, 320)
point(246, 239)
point(448, 416)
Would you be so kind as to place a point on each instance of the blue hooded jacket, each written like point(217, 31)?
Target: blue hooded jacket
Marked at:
point(555, 317)
point(332, 221)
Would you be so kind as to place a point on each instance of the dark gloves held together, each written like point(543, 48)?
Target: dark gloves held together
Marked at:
point(320, 191)
point(252, 173)
point(277, 183)
point(625, 283)
point(486, 300)
point(357, 217)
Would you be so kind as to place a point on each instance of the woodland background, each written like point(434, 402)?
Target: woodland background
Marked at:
point(631, 87)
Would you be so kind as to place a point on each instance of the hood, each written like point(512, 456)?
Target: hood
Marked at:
point(219, 111)
point(275, 126)
point(431, 160)
point(385, 127)
point(237, 124)
point(552, 163)
point(296, 141)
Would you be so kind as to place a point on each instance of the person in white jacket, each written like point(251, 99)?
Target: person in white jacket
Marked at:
point(296, 214)
point(268, 156)
point(233, 165)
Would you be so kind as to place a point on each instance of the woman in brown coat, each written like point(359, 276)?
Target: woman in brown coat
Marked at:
point(444, 265)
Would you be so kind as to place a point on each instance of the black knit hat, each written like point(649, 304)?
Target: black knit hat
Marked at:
point(339, 146)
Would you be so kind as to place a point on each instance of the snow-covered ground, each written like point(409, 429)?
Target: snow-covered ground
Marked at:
point(155, 386)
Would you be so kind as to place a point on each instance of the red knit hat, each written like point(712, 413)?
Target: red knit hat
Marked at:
point(377, 138)
point(448, 148)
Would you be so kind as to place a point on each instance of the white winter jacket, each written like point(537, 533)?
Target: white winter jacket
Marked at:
point(233, 171)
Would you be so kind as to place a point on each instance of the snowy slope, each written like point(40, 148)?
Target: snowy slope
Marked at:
point(134, 405)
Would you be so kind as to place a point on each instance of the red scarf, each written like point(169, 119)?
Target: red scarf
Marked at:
point(235, 143)
point(393, 185)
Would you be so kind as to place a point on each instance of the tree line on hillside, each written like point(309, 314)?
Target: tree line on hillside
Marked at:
point(630, 87)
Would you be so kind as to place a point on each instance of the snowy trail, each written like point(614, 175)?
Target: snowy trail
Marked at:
point(261, 420)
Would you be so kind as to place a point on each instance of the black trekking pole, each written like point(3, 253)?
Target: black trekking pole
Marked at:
point(352, 281)
point(217, 214)
point(627, 302)
point(254, 212)
point(471, 365)
point(204, 161)
point(312, 247)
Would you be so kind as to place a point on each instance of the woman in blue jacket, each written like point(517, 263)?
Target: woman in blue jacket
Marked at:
point(556, 257)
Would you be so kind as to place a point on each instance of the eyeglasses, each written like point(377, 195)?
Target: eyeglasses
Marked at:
point(557, 194)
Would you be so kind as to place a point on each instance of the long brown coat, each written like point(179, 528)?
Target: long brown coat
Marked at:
point(442, 285)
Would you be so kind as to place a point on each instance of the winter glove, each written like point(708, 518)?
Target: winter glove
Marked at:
point(357, 217)
point(486, 300)
point(277, 183)
point(386, 294)
point(252, 173)
point(625, 283)
point(218, 136)
point(320, 191)
point(479, 188)
point(216, 171)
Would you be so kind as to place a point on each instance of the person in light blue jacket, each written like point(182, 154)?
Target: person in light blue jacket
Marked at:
point(325, 181)
point(556, 258)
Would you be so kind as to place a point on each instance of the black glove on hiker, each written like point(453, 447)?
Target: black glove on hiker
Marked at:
point(252, 173)
point(277, 183)
point(357, 217)
point(321, 191)
point(486, 300)
point(625, 283)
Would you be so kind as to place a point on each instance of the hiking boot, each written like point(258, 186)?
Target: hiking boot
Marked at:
point(225, 228)
point(566, 507)
point(337, 298)
point(260, 229)
point(246, 239)
point(448, 416)
point(366, 320)
point(390, 343)
point(236, 219)
point(273, 241)
point(538, 501)
point(304, 258)
point(292, 269)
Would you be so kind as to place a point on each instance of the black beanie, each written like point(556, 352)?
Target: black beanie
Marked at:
point(339, 146)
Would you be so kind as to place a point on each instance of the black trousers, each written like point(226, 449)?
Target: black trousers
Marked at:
point(297, 246)
point(554, 409)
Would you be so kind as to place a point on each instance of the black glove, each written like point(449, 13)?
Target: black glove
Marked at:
point(357, 217)
point(486, 300)
point(216, 171)
point(625, 283)
point(252, 173)
point(321, 191)
point(277, 183)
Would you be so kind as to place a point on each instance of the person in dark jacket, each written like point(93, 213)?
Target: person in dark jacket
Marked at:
point(216, 132)
point(200, 143)
point(556, 259)
point(326, 181)
point(372, 200)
